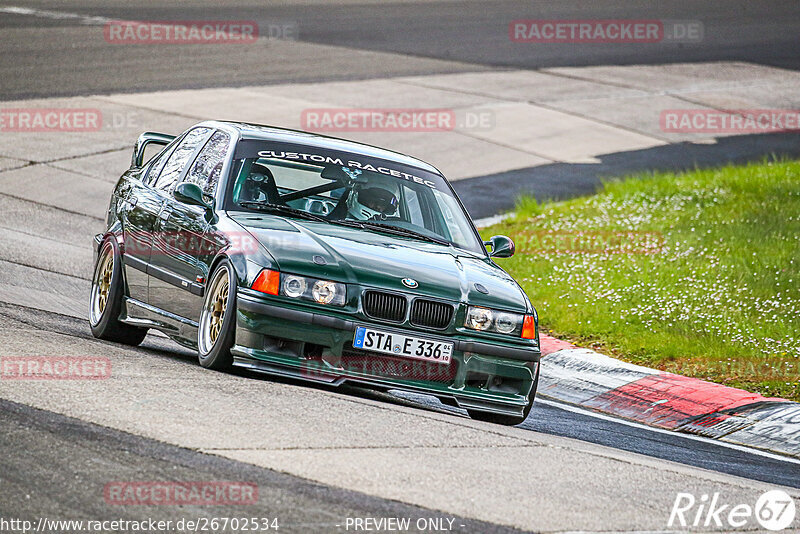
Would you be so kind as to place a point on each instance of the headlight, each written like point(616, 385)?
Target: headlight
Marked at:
point(324, 292)
point(294, 286)
point(487, 320)
point(319, 291)
point(505, 323)
point(300, 287)
point(479, 318)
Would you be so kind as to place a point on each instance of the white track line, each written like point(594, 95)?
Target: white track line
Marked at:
point(741, 448)
point(53, 15)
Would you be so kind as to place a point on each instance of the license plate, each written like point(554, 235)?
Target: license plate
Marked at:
point(402, 345)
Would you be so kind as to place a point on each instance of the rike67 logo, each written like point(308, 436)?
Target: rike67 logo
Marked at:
point(774, 510)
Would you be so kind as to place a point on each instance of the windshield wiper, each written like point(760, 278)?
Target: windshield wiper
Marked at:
point(398, 230)
point(280, 208)
point(389, 229)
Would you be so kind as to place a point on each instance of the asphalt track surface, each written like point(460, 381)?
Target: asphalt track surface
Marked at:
point(53, 57)
point(548, 417)
point(56, 466)
point(89, 456)
point(52, 464)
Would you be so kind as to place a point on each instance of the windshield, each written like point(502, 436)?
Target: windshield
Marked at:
point(419, 205)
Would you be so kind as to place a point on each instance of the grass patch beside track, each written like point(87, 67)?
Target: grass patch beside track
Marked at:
point(695, 273)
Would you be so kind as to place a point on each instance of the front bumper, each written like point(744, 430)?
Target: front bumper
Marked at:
point(280, 339)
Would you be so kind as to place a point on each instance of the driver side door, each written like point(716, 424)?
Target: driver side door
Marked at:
point(191, 240)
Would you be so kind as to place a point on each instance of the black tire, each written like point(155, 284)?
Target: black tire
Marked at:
point(105, 301)
point(508, 420)
point(216, 353)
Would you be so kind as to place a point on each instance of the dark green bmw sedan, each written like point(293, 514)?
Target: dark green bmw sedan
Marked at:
point(315, 258)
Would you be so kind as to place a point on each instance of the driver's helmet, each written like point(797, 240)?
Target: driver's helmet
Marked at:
point(376, 199)
point(254, 187)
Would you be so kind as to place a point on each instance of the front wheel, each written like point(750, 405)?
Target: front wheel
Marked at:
point(215, 333)
point(105, 302)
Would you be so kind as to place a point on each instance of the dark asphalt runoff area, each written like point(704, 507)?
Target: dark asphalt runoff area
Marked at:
point(485, 196)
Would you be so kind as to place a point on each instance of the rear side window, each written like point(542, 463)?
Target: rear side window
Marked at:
point(207, 167)
point(180, 157)
point(158, 164)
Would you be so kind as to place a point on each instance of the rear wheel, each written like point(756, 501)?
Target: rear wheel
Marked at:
point(105, 302)
point(508, 420)
point(215, 333)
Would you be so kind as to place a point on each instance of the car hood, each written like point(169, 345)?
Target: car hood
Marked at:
point(373, 259)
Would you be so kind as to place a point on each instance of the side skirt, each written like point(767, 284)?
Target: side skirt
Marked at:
point(180, 329)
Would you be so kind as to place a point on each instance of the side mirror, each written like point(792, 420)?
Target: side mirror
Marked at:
point(191, 194)
point(144, 140)
point(502, 246)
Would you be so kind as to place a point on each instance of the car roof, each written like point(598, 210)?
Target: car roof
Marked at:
point(285, 135)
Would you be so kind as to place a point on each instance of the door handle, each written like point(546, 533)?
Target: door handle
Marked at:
point(164, 215)
point(132, 201)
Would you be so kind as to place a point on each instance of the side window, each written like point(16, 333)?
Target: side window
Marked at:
point(207, 168)
point(158, 164)
point(180, 156)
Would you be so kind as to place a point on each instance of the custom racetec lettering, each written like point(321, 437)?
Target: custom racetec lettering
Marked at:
point(403, 168)
point(354, 164)
point(300, 156)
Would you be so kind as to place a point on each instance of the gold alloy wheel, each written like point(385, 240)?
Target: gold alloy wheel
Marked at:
point(213, 315)
point(101, 288)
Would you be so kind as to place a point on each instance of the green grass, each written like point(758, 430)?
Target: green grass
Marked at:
point(695, 273)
